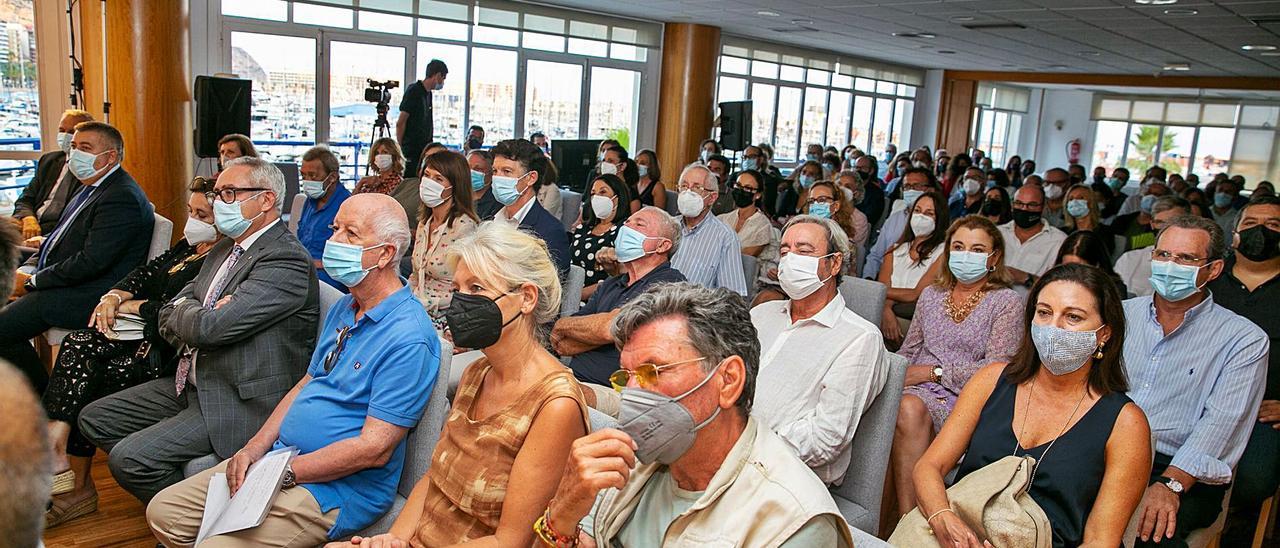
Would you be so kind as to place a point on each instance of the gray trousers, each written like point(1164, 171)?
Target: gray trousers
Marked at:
point(149, 433)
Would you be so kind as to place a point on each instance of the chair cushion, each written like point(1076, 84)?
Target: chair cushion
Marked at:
point(199, 464)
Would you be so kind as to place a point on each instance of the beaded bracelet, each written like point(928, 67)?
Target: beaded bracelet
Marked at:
point(549, 536)
point(118, 299)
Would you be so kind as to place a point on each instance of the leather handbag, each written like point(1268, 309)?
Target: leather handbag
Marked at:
point(994, 501)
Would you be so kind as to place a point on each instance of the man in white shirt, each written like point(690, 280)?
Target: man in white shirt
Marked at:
point(1134, 267)
point(820, 365)
point(1030, 244)
point(709, 254)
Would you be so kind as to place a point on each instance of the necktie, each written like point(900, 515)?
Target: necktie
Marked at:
point(68, 215)
point(184, 364)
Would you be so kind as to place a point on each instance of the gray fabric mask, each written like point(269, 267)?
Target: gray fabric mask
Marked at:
point(662, 428)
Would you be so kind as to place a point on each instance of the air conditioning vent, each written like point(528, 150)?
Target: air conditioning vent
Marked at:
point(993, 26)
point(795, 29)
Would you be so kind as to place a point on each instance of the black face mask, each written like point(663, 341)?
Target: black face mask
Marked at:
point(1028, 171)
point(475, 321)
point(742, 198)
point(1025, 219)
point(864, 174)
point(1259, 243)
point(993, 208)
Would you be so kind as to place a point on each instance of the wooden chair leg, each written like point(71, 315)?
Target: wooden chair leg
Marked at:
point(1266, 521)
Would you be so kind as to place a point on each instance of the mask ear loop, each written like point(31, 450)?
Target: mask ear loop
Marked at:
point(704, 381)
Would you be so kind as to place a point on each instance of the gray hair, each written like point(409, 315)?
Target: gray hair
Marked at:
point(327, 158)
point(837, 240)
point(10, 239)
point(390, 223)
point(717, 325)
point(504, 257)
point(713, 180)
point(1217, 242)
point(25, 474)
point(669, 227)
point(859, 186)
point(1165, 203)
point(262, 174)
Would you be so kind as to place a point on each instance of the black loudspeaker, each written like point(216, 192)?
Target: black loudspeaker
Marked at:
point(222, 108)
point(735, 125)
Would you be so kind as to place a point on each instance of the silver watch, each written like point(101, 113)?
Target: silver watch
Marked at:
point(1173, 484)
point(289, 479)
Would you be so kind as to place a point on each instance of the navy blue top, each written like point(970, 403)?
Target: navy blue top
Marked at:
point(597, 364)
point(551, 231)
point(314, 228)
point(1067, 480)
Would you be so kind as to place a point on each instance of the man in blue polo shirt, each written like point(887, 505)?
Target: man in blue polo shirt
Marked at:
point(370, 375)
point(325, 194)
point(644, 247)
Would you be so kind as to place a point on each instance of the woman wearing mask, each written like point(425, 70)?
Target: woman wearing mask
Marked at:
point(1088, 248)
point(826, 200)
point(617, 162)
point(105, 358)
point(996, 206)
point(1083, 213)
point(753, 228)
point(651, 190)
point(912, 264)
point(1063, 396)
point(603, 213)
point(854, 190)
point(801, 179)
point(967, 319)
point(387, 164)
point(517, 410)
point(1013, 168)
point(956, 172)
point(445, 216)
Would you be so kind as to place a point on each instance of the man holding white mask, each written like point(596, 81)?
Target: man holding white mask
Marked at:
point(821, 365)
point(518, 165)
point(325, 194)
point(710, 255)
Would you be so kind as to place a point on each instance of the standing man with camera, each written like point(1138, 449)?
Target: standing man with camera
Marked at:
point(414, 126)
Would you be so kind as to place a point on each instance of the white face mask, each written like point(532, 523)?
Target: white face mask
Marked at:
point(64, 141)
point(921, 224)
point(382, 161)
point(1052, 192)
point(602, 206)
point(798, 274)
point(431, 192)
point(199, 232)
point(607, 168)
point(690, 203)
point(972, 186)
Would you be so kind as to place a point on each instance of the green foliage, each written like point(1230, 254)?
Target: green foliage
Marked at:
point(622, 135)
point(1146, 146)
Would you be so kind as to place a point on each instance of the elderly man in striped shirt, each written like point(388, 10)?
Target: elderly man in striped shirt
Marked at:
point(1197, 370)
point(709, 253)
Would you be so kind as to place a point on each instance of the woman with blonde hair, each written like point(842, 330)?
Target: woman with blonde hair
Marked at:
point(517, 410)
point(387, 163)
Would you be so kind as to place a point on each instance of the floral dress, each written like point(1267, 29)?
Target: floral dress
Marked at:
point(432, 279)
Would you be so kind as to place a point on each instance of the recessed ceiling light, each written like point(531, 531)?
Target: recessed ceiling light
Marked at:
point(1155, 2)
point(802, 21)
point(962, 18)
point(1182, 11)
point(1180, 67)
point(767, 13)
point(947, 52)
point(1089, 53)
point(1057, 67)
point(1258, 47)
point(915, 35)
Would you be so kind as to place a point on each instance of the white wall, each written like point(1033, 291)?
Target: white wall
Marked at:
point(924, 124)
point(1041, 132)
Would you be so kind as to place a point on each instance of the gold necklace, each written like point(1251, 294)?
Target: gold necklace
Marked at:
point(959, 313)
point(191, 259)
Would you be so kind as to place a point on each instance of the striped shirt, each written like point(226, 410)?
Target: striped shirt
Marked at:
point(709, 255)
point(1202, 417)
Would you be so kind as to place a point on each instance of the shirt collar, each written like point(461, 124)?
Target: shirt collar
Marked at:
point(1191, 314)
point(385, 307)
point(827, 317)
point(248, 242)
point(339, 192)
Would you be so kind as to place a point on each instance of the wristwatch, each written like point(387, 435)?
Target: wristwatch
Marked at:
point(1173, 484)
point(289, 479)
point(936, 374)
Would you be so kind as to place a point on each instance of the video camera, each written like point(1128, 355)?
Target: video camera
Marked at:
point(380, 92)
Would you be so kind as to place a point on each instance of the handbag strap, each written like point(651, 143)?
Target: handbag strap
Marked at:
point(1017, 443)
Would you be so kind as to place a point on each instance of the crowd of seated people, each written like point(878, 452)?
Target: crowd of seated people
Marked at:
point(1000, 296)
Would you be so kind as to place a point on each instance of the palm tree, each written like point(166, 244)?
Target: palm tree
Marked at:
point(1145, 147)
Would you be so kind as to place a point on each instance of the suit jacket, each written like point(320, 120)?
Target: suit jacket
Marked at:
point(255, 347)
point(549, 228)
point(103, 244)
point(47, 170)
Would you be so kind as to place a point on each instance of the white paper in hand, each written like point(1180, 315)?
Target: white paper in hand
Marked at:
point(224, 513)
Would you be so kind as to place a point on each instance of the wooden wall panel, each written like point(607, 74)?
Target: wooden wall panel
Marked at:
point(955, 114)
point(686, 99)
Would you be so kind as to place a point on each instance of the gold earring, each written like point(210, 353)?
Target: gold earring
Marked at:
point(1098, 354)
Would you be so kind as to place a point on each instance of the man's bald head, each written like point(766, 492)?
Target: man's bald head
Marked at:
point(379, 217)
point(1030, 194)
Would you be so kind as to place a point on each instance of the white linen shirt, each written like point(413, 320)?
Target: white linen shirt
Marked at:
point(817, 376)
point(1037, 254)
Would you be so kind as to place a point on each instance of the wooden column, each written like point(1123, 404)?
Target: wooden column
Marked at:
point(686, 100)
point(149, 88)
point(955, 114)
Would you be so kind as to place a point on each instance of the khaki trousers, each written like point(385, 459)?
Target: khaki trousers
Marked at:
point(295, 518)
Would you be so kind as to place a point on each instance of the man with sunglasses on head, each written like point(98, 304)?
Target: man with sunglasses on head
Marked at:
point(368, 381)
point(687, 460)
point(244, 326)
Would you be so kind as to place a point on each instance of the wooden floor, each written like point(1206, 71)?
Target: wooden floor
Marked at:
point(119, 521)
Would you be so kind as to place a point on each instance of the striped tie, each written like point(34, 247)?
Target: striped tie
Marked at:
point(184, 364)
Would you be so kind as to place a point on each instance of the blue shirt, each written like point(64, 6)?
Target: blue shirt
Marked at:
point(597, 364)
point(890, 231)
point(710, 256)
point(314, 231)
point(386, 370)
point(1200, 386)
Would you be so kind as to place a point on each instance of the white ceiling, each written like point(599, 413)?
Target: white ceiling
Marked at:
point(1127, 38)
point(1246, 95)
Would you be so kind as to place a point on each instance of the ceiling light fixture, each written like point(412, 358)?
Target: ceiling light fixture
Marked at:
point(962, 18)
point(1258, 47)
point(1057, 67)
point(1089, 53)
point(1182, 11)
point(1179, 67)
point(915, 35)
point(1155, 2)
point(767, 13)
point(802, 21)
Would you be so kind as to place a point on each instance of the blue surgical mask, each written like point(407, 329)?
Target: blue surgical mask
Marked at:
point(1174, 281)
point(345, 262)
point(64, 141)
point(643, 170)
point(1078, 208)
point(629, 244)
point(811, 157)
point(229, 220)
point(829, 168)
point(968, 266)
point(313, 189)
point(505, 189)
point(477, 180)
point(1221, 200)
point(909, 197)
point(748, 163)
point(81, 164)
point(439, 86)
point(1115, 184)
point(1147, 202)
point(807, 181)
point(820, 210)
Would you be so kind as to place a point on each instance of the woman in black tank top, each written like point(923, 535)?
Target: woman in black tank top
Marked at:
point(1061, 400)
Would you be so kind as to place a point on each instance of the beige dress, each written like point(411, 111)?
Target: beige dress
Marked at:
point(432, 279)
point(471, 466)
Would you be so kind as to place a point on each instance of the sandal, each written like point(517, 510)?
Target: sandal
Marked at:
point(61, 511)
point(64, 482)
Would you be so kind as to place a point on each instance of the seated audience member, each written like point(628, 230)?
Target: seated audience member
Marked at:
point(232, 146)
point(746, 219)
point(516, 412)
point(1199, 202)
point(40, 205)
point(820, 364)
point(481, 164)
point(1056, 181)
point(547, 192)
point(1013, 168)
point(708, 148)
point(348, 422)
point(1225, 209)
point(1250, 286)
point(1134, 267)
point(387, 164)
point(651, 191)
point(23, 457)
point(826, 199)
point(997, 178)
point(691, 351)
point(92, 363)
point(446, 216)
point(325, 194)
point(103, 233)
point(475, 138)
point(1091, 443)
point(1030, 244)
point(912, 264)
point(1136, 225)
point(968, 319)
point(645, 263)
point(710, 255)
point(1028, 170)
point(253, 306)
point(968, 198)
point(996, 205)
point(624, 168)
point(1264, 188)
point(607, 206)
point(915, 182)
point(1138, 188)
point(1086, 247)
point(540, 140)
point(724, 201)
point(804, 176)
point(1201, 419)
point(854, 191)
point(872, 203)
point(755, 158)
point(1177, 184)
point(518, 165)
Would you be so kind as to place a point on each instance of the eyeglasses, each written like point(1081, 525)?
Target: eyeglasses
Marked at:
point(821, 200)
point(1180, 258)
point(748, 189)
point(1026, 205)
point(646, 374)
point(228, 195)
point(331, 359)
point(696, 187)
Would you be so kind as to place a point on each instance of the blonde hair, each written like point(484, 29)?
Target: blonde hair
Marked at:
point(1069, 222)
point(393, 148)
point(998, 277)
point(505, 257)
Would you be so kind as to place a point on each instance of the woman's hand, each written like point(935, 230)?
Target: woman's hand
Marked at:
point(918, 374)
point(952, 531)
point(104, 315)
point(386, 540)
point(889, 325)
point(132, 306)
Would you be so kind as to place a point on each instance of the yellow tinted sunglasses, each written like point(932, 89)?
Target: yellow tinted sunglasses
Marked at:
point(646, 374)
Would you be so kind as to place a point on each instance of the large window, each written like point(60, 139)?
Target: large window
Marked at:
point(283, 71)
point(997, 120)
point(614, 96)
point(553, 99)
point(19, 94)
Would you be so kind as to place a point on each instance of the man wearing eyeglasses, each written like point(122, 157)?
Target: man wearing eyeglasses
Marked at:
point(709, 255)
point(1134, 267)
point(1030, 244)
point(1197, 370)
point(245, 326)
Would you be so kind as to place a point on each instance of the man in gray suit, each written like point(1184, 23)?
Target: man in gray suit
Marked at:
point(246, 326)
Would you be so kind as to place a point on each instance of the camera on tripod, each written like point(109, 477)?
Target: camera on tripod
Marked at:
point(380, 92)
